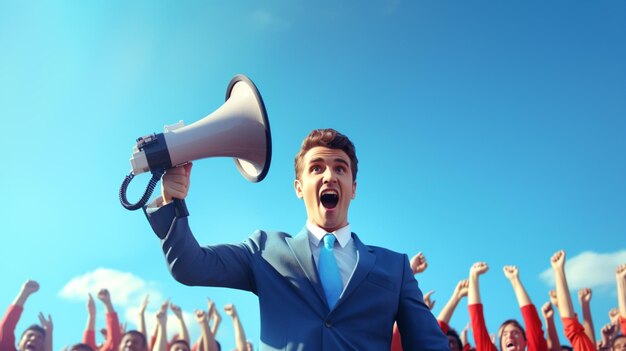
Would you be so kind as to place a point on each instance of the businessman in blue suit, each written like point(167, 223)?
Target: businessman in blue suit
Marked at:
point(320, 290)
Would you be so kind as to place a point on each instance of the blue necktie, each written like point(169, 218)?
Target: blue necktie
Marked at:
point(329, 271)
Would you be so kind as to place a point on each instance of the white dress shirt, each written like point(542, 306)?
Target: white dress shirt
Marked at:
point(344, 250)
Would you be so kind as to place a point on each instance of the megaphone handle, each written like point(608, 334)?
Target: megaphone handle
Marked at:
point(180, 207)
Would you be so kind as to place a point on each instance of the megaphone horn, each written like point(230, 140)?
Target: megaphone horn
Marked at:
point(238, 129)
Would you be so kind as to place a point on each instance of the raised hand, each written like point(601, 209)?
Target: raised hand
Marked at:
point(473, 290)
point(215, 315)
point(511, 272)
point(478, 268)
point(547, 310)
point(461, 289)
point(553, 298)
point(46, 324)
point(201, 316)
point(144, 304)
point(164, 306)
point(210, 306)
point(104, 296)
point(161, 317)
point(614, 315)
point(30, 287)
point(177, 310)
point(230, 310)
point(418, 263)
point(607, 331)
point(558, 260)
point(620, 271)
point(430, 303)
point(91, 306)
point(584, 295)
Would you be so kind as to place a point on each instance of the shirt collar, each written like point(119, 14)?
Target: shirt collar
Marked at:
point(343, 234)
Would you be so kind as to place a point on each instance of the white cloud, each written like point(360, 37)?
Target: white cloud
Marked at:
point(589, 270)
point(127, 293)
point(125, 288)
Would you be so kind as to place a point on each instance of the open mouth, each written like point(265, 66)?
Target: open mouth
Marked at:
point(510, 346)
point(329, 199)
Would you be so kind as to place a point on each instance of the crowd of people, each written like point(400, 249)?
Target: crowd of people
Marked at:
point(38, 337)
point(511, 336)
point(515, 336)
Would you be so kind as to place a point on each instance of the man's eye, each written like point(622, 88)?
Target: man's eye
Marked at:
point(341, 170)
point(316, 169)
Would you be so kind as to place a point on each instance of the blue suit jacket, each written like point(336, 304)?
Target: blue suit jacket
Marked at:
point(280, 270)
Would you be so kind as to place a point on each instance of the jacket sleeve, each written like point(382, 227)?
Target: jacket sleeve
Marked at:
point(222, 265)
point(417, 325)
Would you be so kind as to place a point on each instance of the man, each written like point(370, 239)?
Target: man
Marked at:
point(35, 337)
point(339, 295)
point(133, 341)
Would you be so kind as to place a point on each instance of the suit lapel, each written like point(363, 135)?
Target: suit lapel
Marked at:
point(365, 262)
point(302, 252)
point(294, 262)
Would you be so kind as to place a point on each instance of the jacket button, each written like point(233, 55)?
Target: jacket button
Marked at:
point(328, 324)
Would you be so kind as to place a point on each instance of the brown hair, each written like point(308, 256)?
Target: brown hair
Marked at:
point(514, 323)
point(329, 138)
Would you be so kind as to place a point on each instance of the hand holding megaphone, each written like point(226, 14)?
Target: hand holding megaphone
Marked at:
point(175, 183)
point(238, 129)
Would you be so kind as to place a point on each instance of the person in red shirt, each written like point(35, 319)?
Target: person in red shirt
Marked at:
point(35, 337)
point(511, 333)
point(113, 334)
point(574, 331)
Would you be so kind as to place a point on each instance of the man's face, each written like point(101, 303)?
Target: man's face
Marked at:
point(32, 340)
point(132, 342)
point(326, 186)
point(512, 338)
point(620, 344)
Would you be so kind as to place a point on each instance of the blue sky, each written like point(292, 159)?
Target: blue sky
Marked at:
point(491, 131)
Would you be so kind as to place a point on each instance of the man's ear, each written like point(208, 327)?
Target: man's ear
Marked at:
point(353, 190)
point(297, 186)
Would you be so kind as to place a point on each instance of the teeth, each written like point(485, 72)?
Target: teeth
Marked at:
point(331, 192)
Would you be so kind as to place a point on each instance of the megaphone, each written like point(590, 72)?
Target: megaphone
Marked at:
point(238, 129)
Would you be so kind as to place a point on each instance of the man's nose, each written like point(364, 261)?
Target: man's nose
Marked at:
point(329, 175)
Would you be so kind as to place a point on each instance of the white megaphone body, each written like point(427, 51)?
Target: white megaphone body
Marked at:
point(238, 129)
